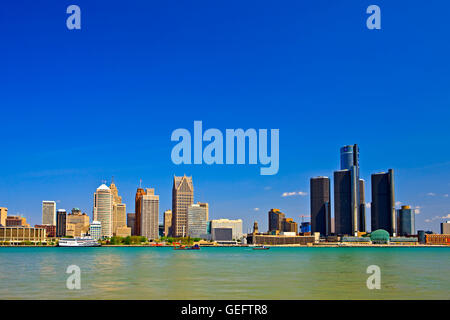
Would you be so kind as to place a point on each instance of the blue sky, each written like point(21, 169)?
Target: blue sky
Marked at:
point(80, 106)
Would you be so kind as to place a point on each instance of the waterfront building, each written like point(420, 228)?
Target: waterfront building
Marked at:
point(15, 235)
point(78, 223)
point(305, 227)
point(16, 221)
point(343, 212)
point(289, 225)
point(235, 225)
point(406, 224)
point(95, 230)
point(61, 222)
point(182, 198)
point(380, 236)
point(265, 239)
point(320, 205)
point(197, 221)
point(119, 216)
point(149, 214)
point(350, 162)
point(445, 227)
point(255, 227)
point(103, 206)
point(50, 230)
point(222, 235)
point(167, 222)
point(421, 236)
point(383, 202)
point(131, 223)
point(3, 215)
point(276, 220)
point(438, 239)
point(49, 212)
point(137, 207)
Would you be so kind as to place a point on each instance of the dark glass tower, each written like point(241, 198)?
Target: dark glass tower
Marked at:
point(275, 220)
point(61, 217)
point(320, 205)
point(383, 202)
point(343, 217)
point(406, 224)
point(353, 197)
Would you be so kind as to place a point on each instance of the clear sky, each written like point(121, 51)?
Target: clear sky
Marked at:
point(80, 106)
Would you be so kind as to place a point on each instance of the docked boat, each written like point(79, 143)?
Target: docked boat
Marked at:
point(260, 248)
point(195, 247)
point(78, 242)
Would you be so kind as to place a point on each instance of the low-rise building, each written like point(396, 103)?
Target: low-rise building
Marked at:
point(18, 234)
point(235, 225)
point(438, 239)
point(16, 221)
point(266, 239)
point(50, 230)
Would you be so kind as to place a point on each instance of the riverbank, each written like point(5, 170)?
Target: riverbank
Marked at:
point(331, 245)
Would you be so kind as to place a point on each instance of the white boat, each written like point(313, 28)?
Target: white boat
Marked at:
point(78, 242)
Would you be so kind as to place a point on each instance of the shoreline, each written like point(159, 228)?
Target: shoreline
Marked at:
point(247, 246)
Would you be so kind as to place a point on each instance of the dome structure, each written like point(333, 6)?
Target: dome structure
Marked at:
point(380, 236)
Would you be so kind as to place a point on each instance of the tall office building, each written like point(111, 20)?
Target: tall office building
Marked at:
point(320, 205)
point(182, 198)
point(103, 207)
point(167, 223)
point(131, 223)
point(149, 214)
point(137, 208)
point(119, 217)
point(49, 212)
point(197, 221)
point(95, 230)
point(61, 220)
point(445, 227)
point(275, 220)
point(349, 194)
point(405, 221)
point(383, 202)
point(205, 205)
point(3, 215)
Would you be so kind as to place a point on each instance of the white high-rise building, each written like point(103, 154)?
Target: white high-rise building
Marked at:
point(103, 208)
point(197, 220)
point(49, 213)
point(150, 215)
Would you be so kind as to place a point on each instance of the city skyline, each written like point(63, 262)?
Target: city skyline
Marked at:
point(77, 102)
point(300, 218)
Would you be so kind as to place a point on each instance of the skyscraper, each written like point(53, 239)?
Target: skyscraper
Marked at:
point(167, 222)
point(383, 202)
point(149, 214)
point(445, 227)
point(406, 223)
point(131, 223)
point(343, 203)
point(49, 212)
point(103, 207)
point(137, 208)
point(350, 193)
point(275, 220)
point(119, 217)
point(197, 220)
point(61, 220)
point(182, 198)
point(320, 205)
